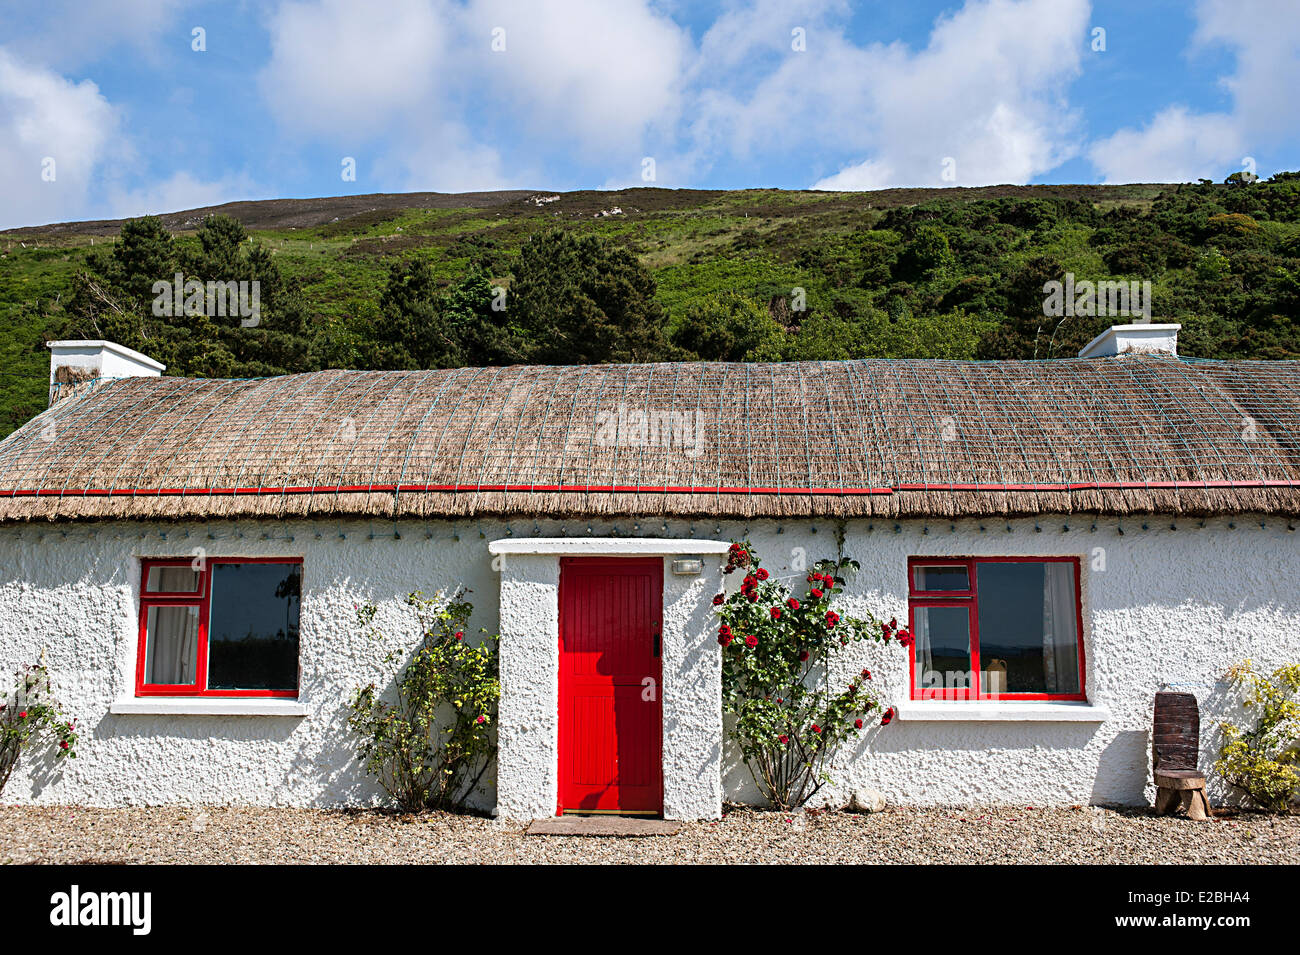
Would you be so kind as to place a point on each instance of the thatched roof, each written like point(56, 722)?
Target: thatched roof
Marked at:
point(1116, 435)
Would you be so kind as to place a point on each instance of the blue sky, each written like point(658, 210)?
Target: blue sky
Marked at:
point(108, 110)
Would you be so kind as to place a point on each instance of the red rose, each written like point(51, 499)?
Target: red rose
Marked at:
point(888, 717)
point(718, 600)
point(804, 655)
point(816, 728)
point(460, 634)
point(792, 604)
point(832, 618)
point(724, 631)
point(725, 640)
point(776, 613)
point(784, 739)
point(815, 594)
point(481, 719)
point(893, 623)
point(905, 638)
point(751, 641)
point(866, 674)
point(857, 724)
point(761, 574)
point(22, 715)
point(753, 597)
point(63, 744)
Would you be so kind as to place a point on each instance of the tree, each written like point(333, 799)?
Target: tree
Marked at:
point(424, 326)
point(115, 298)
point(410, 332)
point(730, 327)
point(926, 255)
point(475, 317)
point(582, 300)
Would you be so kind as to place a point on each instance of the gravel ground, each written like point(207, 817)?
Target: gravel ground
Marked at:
point(64, 834)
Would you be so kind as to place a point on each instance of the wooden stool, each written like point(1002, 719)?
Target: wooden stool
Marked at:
point(1181, 789)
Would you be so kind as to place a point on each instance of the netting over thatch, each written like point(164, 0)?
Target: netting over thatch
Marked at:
point(888, 438)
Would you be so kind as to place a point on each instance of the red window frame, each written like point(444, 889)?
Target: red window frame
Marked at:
point(970, 599)
point(200, 598)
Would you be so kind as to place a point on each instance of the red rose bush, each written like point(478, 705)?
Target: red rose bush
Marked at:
point(777, 652)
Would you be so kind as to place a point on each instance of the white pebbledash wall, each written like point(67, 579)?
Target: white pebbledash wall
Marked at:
point(1160, 605)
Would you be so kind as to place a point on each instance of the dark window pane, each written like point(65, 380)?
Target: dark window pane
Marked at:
point(1029, 637)
point(169, 579)
point(171, 646)
point(253, 627)
point(942, 649)
point(940, 578)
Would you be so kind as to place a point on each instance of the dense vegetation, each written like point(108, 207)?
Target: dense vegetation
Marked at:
point(754, 275)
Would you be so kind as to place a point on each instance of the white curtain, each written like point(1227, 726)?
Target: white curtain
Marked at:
point(173, 645)
point(924, 656)
point(172, 580)
point(1060, 629)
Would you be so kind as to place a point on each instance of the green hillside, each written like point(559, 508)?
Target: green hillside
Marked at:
point(654, 274)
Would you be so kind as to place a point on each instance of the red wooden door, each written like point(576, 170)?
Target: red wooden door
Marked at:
point(611, 726)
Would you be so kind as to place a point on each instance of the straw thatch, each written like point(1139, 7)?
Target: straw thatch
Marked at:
point(868, 438)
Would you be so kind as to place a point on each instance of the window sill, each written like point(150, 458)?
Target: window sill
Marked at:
point(207, 706)
point(990, 711)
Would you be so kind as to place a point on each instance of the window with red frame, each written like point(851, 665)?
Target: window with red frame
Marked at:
point(996, 628)
point(219, 627)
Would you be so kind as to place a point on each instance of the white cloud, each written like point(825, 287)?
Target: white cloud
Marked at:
point(597, 74)
point(868, 174)
point(46, 119)
point(50, 124)
point(422, 75)
point(70, 33)
point(1265, 36)
point(987, 92)
point(1180, 145)
point(1176, 146)
point(446, 158)
point(342, 71)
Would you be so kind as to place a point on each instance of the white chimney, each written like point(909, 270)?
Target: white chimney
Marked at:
point(1139, 338)
point(74, 362)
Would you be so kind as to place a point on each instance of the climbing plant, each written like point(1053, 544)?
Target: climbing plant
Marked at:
point(778, 648)
point(431, 739)
point(29, 713)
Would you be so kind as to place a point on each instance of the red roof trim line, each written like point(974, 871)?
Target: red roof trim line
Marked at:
point(635, 489)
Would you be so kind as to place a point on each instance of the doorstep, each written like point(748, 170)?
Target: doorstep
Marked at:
point(602, 825)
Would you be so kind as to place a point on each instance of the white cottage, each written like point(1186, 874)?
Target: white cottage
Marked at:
point(1063, 537)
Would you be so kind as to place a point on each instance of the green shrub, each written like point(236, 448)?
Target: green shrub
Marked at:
point(1262, 761)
